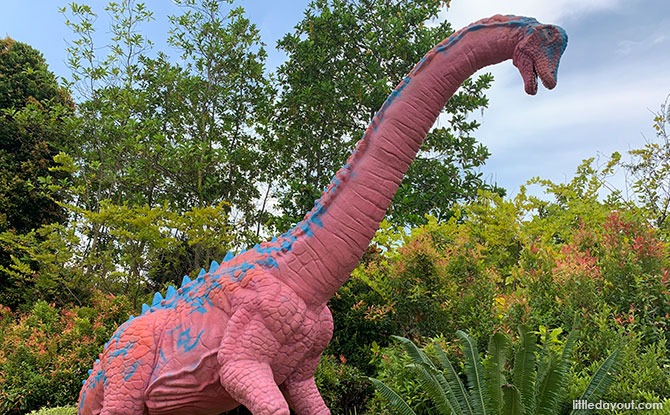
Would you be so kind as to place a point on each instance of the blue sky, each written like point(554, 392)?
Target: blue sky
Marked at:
point(615, 72)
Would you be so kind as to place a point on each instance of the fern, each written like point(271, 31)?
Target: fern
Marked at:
point(512, 403)
point(600, 381)
point(461, 395)
point(474, 372)
point(438, 388)
point(494, 366)
point(524, 375)
point(397, 403)
point(432, 380)
point(551, 383)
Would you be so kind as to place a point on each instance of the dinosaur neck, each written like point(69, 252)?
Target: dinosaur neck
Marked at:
point(331, 239)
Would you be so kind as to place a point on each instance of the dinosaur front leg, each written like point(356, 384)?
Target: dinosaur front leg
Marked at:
point(300, 388)
point(304, 397)
point(246, 351)
point(252, 384)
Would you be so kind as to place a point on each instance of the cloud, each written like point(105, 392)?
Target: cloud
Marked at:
point(463, 12)
point(626, 47)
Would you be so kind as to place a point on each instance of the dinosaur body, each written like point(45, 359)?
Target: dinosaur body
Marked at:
point(251, 330)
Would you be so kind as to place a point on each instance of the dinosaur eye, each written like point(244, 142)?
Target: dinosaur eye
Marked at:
point(546, 33)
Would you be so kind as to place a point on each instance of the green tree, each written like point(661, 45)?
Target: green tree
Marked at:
point(227, 97)
point(649, 168)
point(33, 107)
point(33, 111)
point(344, 58)
point(176, 142)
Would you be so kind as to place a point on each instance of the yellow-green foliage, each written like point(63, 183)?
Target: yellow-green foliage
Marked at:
point(61, 410)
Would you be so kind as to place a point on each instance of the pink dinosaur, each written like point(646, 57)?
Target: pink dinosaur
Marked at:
point(251, 330)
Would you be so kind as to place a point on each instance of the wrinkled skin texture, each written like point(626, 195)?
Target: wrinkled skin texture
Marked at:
point(251, 330)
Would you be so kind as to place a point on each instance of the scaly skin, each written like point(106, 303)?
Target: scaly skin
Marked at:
point(251, 330)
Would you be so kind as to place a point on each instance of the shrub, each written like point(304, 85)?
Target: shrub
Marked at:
point(343, 387)
point(60, 410)
point(46, 353)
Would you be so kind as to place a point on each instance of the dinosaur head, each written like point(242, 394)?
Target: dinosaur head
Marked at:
point(538, 55)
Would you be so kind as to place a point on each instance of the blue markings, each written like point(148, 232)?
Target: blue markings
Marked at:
point(130, 371)
point(123, 351)
point(213, 267)
point(186, 342)
point(145, 308)
point(269, 262)
point(228, 256)
point(200, 304)
point(395, 94)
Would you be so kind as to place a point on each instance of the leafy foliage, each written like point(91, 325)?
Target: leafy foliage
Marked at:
point(45, 354)
point(61, 410)
point(538, 389)
point(33, 111)
point(167, 163)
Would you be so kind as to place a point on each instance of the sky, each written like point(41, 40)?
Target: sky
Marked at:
point(614, 74)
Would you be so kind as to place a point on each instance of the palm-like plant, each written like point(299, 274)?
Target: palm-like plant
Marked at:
point(538, 381)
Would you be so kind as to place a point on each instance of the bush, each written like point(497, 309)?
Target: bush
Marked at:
point(344, 388)
point(46, 353)
point(60, 410)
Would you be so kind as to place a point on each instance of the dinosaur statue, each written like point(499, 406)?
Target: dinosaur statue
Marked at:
point(250, 331)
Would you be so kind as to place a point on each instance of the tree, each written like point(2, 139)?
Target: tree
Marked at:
point(33, 108)
point(228, 104)
point(344, 58)
point(33, 111)
point(649, 168)
point(176, 142)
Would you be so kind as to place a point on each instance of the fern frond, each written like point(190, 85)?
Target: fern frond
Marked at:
point(553, 382)
point(549, 387)
point(439, 390)
point(512, 403)
point(600, 381)
point(460, 393)
point(494, 366)
point(397, 403)
point(474, 372)
point(417, 355)
point(524, 373)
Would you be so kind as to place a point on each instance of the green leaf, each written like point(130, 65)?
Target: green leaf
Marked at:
point(512, 403)
point(494, 366)
point(460, 397)
point(474, 372)
point(524, 372)
point(600, 381)
point(397, 403)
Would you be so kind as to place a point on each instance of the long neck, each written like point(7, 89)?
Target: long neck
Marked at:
point(329, 242)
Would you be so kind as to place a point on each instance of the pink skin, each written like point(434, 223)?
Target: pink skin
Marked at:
point(252, 330)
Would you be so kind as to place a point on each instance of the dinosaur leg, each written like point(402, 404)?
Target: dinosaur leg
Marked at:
point(246, 351)
point(252, 384)
point(304, 397)
point(300, 388)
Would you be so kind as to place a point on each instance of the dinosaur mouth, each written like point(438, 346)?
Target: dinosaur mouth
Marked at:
point(531, 72)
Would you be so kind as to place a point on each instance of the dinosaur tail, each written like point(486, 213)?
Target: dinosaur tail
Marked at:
point(91, 394)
